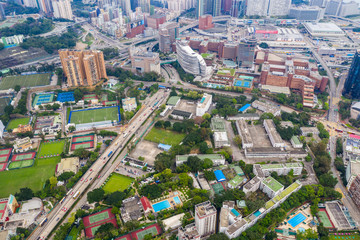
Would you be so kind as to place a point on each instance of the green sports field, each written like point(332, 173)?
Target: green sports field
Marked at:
point(14, 123)
point(344, 237)
point(95, 115)
point(25, 81)
point(117, 182)
point(21, 164)
point(164, 136)
point(32, 177)
point(142, 234)
point(98, 217)
point(51, 148)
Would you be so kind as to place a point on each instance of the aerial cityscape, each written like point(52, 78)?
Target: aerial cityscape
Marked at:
point(179, 119)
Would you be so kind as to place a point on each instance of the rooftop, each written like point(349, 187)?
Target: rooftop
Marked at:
point(218, 124)
point(273, 184)
point(287, 191)
point(204, 100)
point(251, 183)
point(205, 209)
point(226, 71)
point(173, 100)
point(236, 181)
point(201, 156)
point(322, 27)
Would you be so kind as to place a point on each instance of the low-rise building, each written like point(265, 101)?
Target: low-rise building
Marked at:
point(68, 165)
point(265, 170)
point(267, 107)
point(173, 222)
point(189, 232)
point(129, 104)
point(22, 144)
point(145, 61)
point(295, 142)
point(131, 209)
point(327, 29)
point(203, 105)
point(134, 162)
point(180, 115)
point(271, 187)
point(173, 101)
point(244, 116)
point(242, 128)
point(274, 136)
point(217, 159)
point(22, 129)
point(218, 124)
point(236, 181)
point(221, 139)
point(305, 131)
point(252, 185)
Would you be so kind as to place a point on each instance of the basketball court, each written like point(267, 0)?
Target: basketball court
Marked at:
point(324, 218)
point(218, 188)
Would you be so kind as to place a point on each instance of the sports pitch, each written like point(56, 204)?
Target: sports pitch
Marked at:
point(98, 217)
point(14, 123)
point(164, 136)
point(48, 148)
point(21, 164)
point(325, 219)
point(25, 81)
point(94, 115)
point(117, 182)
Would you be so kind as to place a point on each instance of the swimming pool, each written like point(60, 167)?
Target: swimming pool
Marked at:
point(177, 200)
point(161, 205)
point(257, 213)
point(297, 219)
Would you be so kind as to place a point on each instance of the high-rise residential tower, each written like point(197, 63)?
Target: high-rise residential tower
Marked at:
point(62, 9)
point(83, 68)
point(168, 32)
point(216, 8)
point(205, 218)
point(352, 83)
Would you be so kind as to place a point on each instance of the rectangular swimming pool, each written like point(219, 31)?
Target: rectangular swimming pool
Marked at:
point(297, 219)
point(177, 200)
point(161, 205)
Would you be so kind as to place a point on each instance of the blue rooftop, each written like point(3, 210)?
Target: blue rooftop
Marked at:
point(220, 177)
point(164, 147)
point(243, 108)
point(66, 97)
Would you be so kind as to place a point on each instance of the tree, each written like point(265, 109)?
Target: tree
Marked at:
point(2, 46)
point(78, 95)
point(107, 142)
point(238, 141)
point(65, 176)
point(96, 195)
point(82, 153)
point(206, 116)
point(115, 199)
point(308, 234)
point(24, 194)
point(151, 191)
point(105, 231)
point(327, 180)
point(208, 163)
point(17, 88)
point(322, 231)
point(194, 163)
point(271, 235)
point(203, 147)
point(72, 128)
point(209, 175)
point(218, 236)
point(263, 45)
point(8, 109)
point(53, 181)
point(115, 210)
point(167, 124)
point(159, 124)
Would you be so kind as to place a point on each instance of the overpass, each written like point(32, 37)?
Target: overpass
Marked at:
point(196, 23)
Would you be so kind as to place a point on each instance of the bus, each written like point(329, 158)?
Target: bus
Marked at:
point(76, 194)
point(62, 200)
point(338, 130)
point(43, 222)
point(125, 134)
point(110, 153)
point(69, 192)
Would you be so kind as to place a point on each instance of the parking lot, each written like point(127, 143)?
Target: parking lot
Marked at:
point(146, 149)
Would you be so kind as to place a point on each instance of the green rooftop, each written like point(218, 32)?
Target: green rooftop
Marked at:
point(207, 55)
point(236, 181)
point(273, 184)
point(271, 166)
point(282, 195)
point(293, 165)
point(201, 156)
point(218, 125)
point(238, 170)
point(173, 100)
point(295, 139)
point(226, 71)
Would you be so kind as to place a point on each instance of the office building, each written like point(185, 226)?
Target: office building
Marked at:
point(238, 8)
point(216, 8)
point(319, 3)
point(348, 9)
point(83, 68)
point(155, 20)
point(354, 190)
point(205, 218)
point(279, 7)
point(62, 9)
point(246, 52)
point(306, 13)
point(352, 83)
point(168, 32)
point(205, 22)
point(333, 7)
point(203, 105)
point(189, 60)
point(200, 8)
point(144, 61)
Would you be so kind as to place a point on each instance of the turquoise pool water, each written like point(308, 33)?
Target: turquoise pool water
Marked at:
point(257, 213)
point(297, 219)
point(177, 200)
point(161, 205)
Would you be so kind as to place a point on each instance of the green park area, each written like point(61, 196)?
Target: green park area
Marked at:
point(25, 81)
point(117, 182)
point(32, 177)
point(51, 147)
point(158, 135)
point(14, 123)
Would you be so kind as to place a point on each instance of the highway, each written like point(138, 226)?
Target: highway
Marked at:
point(95, 175)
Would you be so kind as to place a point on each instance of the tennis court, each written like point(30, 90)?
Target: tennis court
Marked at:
point(3, 166)
point(142, 234)
point(324, 218)
point(23, 156)
point(95, 115)
point(94, 221)
point(90, 96)
point(218, 188)
point(5, 155)
point(5, 151)
point(25, 81)
point(98, 217)
point(21, 164)
point(2, 206)
point(43, 99)
point(82, 139)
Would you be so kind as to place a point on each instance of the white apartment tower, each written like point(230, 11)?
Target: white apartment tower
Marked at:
point(205, 218)
point(62, 9)
point(268, 7)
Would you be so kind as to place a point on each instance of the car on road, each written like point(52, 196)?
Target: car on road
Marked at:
point(90, 179)
point(57, 219)
point(99, 176)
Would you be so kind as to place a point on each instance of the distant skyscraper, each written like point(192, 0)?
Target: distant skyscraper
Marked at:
point(31, 3)
point(2, 12)
point(257, 7)
point(279, 7)
point(333, 7)
point(145, 5)
point(200, 8)
point(348, 8)
point(319, 3)
point(225, 6)
point(216, 8)
point(83, 68)
point(168, 32)
point(62, 9)
point(45, 6)
point(126, 6)
point(352, 83)
point(238, 8)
